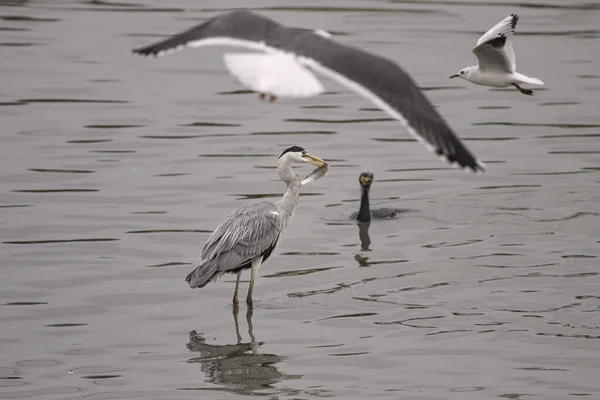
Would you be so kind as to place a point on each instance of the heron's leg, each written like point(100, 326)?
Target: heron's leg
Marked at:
point(255, 265)
point(236, 311)
point(253, 344)
point(237, 286)
point(524, 91)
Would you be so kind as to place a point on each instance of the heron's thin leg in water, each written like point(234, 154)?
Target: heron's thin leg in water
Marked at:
point(253, 343)
point(237, 286)
point(236, 311)
point(255, 265)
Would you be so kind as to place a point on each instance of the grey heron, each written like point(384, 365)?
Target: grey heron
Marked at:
point(365, 214)
point(247, 236)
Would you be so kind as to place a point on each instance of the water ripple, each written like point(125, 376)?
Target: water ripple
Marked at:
point(575, 215)
point(144, 231)
point(298, 272)
point(52, 241)
point(408, 322)
point(338, 121)
point(539, 125)
point(62, 171)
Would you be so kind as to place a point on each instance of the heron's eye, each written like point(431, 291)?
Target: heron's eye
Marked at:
point(462, 72)
point(303, 153)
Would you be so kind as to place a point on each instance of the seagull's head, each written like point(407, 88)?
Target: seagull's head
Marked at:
point(465, 73)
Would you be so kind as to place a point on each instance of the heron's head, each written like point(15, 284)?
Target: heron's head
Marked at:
point(465, 73)
point(297, 154)
point(365, 179)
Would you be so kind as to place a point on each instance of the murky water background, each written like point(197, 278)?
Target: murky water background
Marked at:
point(114, 170)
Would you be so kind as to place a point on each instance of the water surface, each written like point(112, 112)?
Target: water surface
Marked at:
point(114, 171)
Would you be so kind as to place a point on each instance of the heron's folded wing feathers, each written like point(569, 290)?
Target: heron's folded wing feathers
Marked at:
point(244, 234)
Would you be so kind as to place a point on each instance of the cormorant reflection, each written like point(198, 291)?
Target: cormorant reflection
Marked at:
point(363, 234)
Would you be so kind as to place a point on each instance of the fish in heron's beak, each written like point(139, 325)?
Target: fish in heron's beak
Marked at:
point(454, 76)
point(314, 160)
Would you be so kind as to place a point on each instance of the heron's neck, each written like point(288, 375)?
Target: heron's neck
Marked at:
point(364, 213)
point(289, 201)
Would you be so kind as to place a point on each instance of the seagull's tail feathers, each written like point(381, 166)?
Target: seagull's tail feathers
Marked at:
point(532, 81)
point(273, 73)
point(203, 274)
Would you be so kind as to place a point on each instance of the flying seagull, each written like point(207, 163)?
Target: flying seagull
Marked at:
point(497, 65)
point(293, 53)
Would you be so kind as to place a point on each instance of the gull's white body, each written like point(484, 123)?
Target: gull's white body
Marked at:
point(277, 73)
point(495, 79)
point(497, 63)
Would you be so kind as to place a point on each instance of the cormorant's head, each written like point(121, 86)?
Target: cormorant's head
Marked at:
point(365, 179)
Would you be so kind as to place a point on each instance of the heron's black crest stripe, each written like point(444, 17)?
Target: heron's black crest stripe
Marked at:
point(498, 42)
point(295, 149)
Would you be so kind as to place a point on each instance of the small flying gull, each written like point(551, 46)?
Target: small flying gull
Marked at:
point(289, 57)
point(497, 65)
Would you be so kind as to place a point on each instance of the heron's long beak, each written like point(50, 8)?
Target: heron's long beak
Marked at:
point(454, 76)
point(314, 160)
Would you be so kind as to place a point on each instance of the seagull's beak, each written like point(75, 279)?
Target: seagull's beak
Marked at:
point(454, 76)
point(314, 160)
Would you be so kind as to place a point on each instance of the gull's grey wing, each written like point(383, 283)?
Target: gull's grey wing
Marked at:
point(238, 28)
point(244, 234)
point(492, 57)
point(505, 27)
point(389, 87)
point(378, 79)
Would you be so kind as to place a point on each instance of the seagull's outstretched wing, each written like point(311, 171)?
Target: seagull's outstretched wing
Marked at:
point(492, 56)
point(381, 81)
point(505, 28)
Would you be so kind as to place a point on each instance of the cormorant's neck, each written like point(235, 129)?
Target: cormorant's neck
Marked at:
point(364, 213)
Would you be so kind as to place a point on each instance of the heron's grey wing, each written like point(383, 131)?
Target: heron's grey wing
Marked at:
point(492, 57)
point(244, 234)
point(505, 27)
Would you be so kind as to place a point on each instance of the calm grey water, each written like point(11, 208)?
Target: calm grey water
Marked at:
point(114, 170)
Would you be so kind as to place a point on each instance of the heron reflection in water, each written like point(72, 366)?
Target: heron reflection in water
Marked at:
point(248, 235)
point(239, 367)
